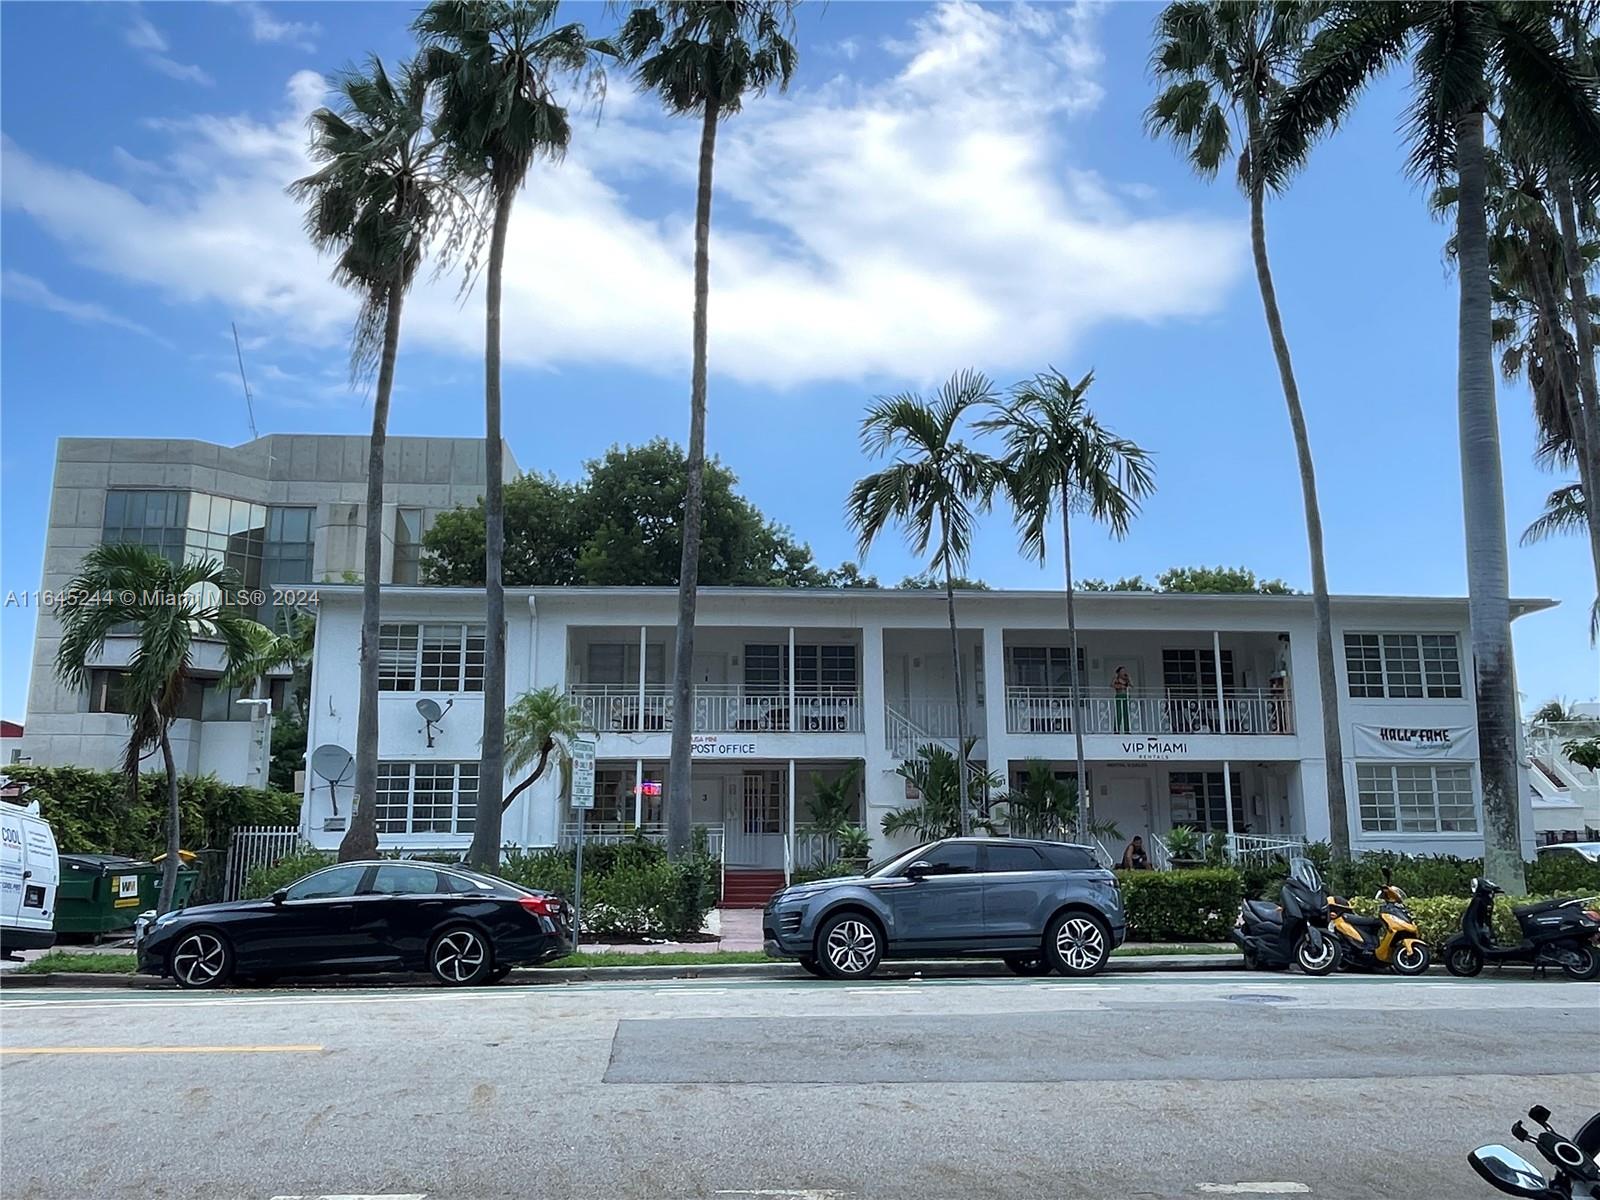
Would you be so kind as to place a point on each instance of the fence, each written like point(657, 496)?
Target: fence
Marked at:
point(254, 847)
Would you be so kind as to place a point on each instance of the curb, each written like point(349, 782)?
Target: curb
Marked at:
point(545, 976)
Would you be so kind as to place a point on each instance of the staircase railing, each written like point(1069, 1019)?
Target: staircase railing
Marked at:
point(1260, 849)
point(1160, 856)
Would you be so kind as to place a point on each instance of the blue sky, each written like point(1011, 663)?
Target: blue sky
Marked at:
point(943, 187)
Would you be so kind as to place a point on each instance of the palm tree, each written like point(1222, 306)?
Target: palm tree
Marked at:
point(374, 204)
point(934, 489)
point(1564, 512)
point(540, 726)
point(1057, 454)
point(1463, 55)
point(496, 66)
point(1222, 64)
point(170, 608)
point(701, 58)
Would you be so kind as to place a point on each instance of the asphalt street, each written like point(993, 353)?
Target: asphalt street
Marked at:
point(1149, 1086)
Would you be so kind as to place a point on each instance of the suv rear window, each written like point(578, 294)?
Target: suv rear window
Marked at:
point(1013, 858)
point(1069, 858)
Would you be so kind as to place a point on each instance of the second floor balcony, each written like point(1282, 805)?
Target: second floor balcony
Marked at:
point(719, 708)
point(1149, 712)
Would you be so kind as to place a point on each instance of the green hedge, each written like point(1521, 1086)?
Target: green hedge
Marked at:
point(1181, 906)
point(263, 881)
point(629, 888)
point(1428, 875)
point(91, 814)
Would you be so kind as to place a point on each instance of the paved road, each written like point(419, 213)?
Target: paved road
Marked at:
point(1155, 1086)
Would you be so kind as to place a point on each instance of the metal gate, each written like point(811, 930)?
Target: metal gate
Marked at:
point(253, 847)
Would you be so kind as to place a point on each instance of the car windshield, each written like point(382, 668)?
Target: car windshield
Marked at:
point(899, 862)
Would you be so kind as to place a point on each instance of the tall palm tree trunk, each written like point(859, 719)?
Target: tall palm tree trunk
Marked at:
point(962, 787)
point(679, 783)
point(485, 850)
point(1586, 401)
point(1084, 819)
point(1483, 502)
point(361, 839)
point(1327, 674)
point(169, 868)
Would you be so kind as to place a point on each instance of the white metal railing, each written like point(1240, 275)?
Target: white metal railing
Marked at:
point(1102, 854)
point(719, 708)
point(1246, 711)
point(1259, 849)
point(816, 847)
point(610, 833)
point(254, 847)
point(1160, 856)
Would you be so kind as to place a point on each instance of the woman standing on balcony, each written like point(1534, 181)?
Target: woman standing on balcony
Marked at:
point(1120, 684)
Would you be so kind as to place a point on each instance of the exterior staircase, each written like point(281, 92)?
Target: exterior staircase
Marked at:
point(749, 888)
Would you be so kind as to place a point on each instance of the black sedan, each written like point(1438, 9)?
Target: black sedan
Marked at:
point(464, 927)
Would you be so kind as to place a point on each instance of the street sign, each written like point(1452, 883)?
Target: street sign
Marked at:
point(582, 773)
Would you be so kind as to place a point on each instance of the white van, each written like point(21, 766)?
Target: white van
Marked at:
point(29, 872)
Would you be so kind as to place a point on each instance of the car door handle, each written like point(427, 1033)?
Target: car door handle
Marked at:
point(341, 908)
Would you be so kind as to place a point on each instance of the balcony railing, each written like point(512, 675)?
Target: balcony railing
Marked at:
point(1244, 711)
point(608, 833)
point(719, 708)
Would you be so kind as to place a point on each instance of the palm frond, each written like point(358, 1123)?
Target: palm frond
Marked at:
point(1565, 511)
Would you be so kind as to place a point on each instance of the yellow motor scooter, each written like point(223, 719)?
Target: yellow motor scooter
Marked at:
point(1391, 939)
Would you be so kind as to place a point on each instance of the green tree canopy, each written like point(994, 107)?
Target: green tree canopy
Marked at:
point(620, 525)
point(928, 581)
point(1210, 580)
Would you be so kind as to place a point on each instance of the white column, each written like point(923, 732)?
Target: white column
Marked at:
point(638, 791)
point(995, 712)
point(1216, 667)
point(789, 858)
point(792, 723)
point(642, 647)
point(1227, 798)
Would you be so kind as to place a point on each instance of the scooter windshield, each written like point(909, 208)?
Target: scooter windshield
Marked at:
point(1303, 871)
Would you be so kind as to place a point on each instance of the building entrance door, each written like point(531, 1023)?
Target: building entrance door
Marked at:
point(755, 804)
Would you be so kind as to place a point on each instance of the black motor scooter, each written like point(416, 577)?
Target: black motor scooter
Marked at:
point(1576, 1160)
point(1555, 933)
point(1273, 936)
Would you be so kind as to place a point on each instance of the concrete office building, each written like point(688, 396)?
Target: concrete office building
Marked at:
point(288, 511)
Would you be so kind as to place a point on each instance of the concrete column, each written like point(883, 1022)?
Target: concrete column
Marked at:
point(638, 791)
point(994, 689)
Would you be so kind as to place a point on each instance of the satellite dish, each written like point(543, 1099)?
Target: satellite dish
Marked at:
point(333, 764)
point(432, 714)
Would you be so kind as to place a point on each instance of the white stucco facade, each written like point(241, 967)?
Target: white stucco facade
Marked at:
point(792, 683)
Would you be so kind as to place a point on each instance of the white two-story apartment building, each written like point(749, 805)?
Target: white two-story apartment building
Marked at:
point(1218, 728)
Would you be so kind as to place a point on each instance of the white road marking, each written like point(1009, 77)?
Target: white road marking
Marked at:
point(1256, 1189)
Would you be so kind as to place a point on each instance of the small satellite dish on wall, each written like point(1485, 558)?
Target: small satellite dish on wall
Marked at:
point(431, 715)
point(333, 764)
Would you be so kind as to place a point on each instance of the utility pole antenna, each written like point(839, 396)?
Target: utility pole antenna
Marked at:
point(249, 404)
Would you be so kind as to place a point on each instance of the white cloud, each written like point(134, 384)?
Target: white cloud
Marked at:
point(264, 27)
point(898, 229)
point(153, 46)
point(27, 289)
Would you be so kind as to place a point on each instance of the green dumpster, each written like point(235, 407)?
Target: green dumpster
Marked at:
point(103, 893)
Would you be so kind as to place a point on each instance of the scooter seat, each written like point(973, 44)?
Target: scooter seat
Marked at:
point(1528, 910)
point(1264, 910)
point(1361, 922)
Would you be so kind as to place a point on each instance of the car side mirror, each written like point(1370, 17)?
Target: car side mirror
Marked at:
point(279, 896)
point(920, 869)
point(1509, 1171)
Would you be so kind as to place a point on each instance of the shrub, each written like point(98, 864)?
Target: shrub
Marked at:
point(629, 888)
point(1181, 906)
point(1563, 873)
point(833, 870)
point(263, 881)
point(1439, 917)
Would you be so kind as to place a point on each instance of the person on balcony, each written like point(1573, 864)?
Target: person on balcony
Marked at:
point(1134, 858)
point(1120, 686)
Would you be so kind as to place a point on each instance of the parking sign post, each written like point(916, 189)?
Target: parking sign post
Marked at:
point(582, 801)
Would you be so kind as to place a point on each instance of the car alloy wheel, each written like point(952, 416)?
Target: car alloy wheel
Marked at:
point(460, 957)
point(1079, 944)
point(200, 960)
point(850, 947)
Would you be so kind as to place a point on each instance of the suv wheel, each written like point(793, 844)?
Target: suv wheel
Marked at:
point(1077, 944)
point(810, 967)
point(848, 947)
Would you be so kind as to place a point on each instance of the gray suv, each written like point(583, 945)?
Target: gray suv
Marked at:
point(1041, 906)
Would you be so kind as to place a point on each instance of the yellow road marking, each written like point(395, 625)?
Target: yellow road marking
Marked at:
point(159, 1049)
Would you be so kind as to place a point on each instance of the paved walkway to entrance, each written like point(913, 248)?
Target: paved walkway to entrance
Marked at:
point(734, 929)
